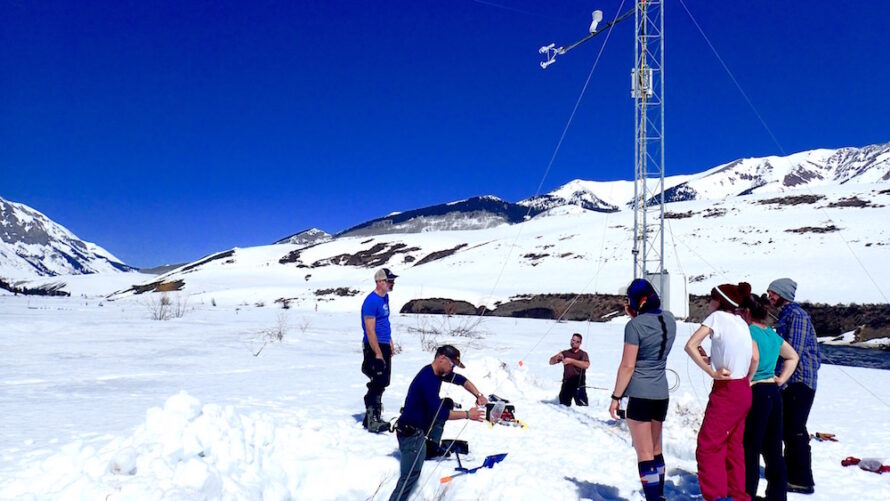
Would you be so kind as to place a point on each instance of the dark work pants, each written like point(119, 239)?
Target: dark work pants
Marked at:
point(412, 449)
point(379, 377)
point(573, 388)
point(763, 435)
point(797, 400)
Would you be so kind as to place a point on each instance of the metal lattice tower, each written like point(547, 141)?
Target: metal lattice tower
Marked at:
point(647, 80)
point(647, 89)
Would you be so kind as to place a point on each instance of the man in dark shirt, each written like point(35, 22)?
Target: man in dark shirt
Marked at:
point(425, 414)
point(575, 362)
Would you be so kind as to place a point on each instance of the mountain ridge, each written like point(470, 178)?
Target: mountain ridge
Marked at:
point(740, 177)
point(32, 245)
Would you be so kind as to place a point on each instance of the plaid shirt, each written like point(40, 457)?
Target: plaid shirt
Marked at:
point(796, 327)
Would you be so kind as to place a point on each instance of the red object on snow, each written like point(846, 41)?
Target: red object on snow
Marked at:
point(872, 465)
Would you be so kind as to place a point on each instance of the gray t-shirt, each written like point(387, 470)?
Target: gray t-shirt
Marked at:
point(645, 331)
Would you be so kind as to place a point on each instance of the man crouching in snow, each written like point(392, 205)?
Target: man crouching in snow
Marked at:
point(425, 414)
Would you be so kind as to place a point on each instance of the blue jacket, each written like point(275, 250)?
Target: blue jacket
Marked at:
point(423, 405)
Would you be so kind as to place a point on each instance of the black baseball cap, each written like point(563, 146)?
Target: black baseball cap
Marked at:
point(452, 353)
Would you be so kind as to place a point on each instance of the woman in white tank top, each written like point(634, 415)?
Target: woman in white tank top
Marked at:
point(733, 361)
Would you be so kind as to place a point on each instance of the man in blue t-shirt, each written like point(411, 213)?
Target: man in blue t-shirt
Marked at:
point(424, 415)
point(377, 348)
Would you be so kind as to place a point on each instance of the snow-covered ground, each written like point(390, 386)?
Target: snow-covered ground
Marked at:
point(100, 402)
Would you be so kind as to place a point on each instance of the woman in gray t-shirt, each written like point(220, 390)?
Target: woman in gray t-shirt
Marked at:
point(648, 338)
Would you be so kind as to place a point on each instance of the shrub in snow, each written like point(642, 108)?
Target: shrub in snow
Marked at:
point(164, 307)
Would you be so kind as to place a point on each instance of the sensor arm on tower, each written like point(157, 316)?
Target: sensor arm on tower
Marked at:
point(551, 51)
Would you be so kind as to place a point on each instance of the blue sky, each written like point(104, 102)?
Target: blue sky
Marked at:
point(164, 131)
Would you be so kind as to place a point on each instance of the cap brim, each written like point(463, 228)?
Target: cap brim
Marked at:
point(458, 363)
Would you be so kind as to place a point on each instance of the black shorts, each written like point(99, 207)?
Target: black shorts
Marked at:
point(644, 409)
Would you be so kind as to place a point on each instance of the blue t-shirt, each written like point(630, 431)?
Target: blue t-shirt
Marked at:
point(377, 307)
point(768, 344)
point(423, 405)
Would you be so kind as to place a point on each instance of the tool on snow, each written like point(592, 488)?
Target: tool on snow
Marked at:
point(488, 462)
point(824, 437)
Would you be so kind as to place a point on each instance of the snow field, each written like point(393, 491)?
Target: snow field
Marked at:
point(106, 404)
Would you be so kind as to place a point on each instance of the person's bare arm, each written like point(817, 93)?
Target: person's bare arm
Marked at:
point(581, 364)
point(370, 328)
point(692, 348)
point(789, 365)
point(473, 414)
point(625, 371)
point(755, 361)
point(480, 398)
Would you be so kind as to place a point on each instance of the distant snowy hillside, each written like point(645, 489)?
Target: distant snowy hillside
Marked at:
point(32, 246)
point(470, 214)
point(308, 237)
point(593, 195)
point(815, 168)
point(826, 238)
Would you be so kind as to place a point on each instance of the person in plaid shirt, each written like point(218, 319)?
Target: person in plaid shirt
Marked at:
point(796, 327)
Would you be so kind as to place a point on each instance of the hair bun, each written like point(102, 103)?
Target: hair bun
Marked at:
point(745, 289)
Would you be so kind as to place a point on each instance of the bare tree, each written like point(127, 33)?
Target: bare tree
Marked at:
point(165, 307)
point(432, 328)
point(274, 334)
point(304, 324)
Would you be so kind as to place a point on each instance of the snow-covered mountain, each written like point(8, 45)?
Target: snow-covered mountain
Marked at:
point(823, 167)
point(305, 238)
point(593, 195)
point(32, 246)
point(829, 238)
point(470, 214)
point(814, 168)
point(752, 220)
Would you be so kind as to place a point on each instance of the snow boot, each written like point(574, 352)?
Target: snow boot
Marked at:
point(375, 423)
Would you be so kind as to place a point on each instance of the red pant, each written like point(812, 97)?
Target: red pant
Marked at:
point(720, 454)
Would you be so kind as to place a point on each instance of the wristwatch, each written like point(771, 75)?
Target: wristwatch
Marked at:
point(615, 397)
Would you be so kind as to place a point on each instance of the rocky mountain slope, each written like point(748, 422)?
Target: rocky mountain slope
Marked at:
point(805, 170)
point(32, 245)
